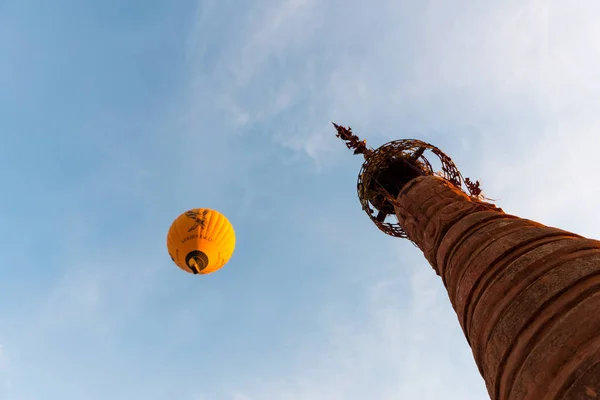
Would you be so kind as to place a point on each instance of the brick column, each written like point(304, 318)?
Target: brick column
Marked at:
point(527, 296)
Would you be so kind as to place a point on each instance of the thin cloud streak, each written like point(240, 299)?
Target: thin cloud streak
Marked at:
point(488, 84)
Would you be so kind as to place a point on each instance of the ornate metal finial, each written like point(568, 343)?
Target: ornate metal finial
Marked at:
point(387, 169)
point(352, 141)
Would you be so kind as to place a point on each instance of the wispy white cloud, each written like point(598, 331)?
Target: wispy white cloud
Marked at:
point(271, 29)
point(509, 90)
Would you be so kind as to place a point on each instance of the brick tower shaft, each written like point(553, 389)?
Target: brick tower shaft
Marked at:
point(527, 296)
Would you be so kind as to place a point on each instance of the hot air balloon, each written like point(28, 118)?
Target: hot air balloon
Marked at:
point(201, 241)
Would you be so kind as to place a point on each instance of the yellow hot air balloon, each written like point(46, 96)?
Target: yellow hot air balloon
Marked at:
point(201, 241)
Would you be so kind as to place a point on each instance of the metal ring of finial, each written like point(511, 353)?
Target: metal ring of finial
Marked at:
point(381, 158)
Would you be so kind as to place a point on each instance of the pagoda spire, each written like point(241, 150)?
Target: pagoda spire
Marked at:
point(526, 295)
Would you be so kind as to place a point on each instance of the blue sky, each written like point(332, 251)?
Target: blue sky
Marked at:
point(117, 116)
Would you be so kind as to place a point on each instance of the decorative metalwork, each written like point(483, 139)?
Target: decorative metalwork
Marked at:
point(388, 168)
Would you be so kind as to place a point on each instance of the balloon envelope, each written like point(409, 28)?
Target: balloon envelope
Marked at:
point(201, 241)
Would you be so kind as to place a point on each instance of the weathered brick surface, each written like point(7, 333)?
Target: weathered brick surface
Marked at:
point(527, 296)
